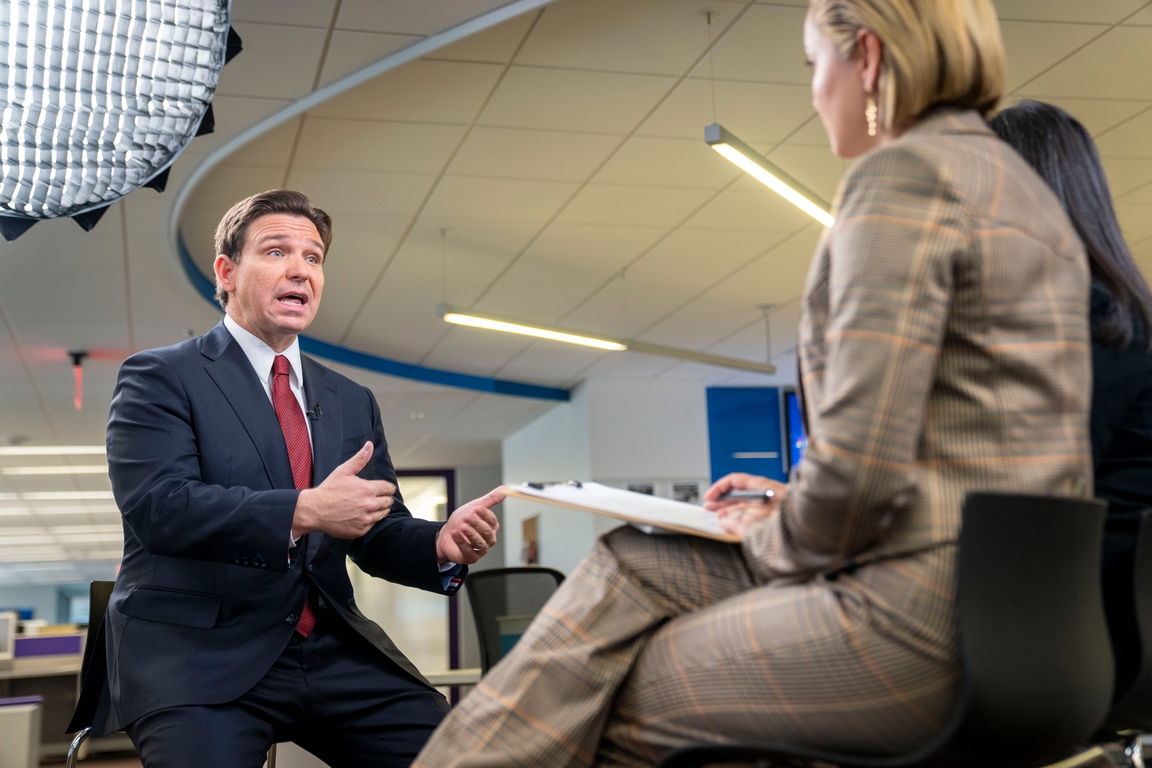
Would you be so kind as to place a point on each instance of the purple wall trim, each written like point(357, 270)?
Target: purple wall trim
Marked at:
point(21, 700)
point(51, 645)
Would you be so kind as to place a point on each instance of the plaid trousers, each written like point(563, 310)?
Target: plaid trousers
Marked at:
point(655, 642)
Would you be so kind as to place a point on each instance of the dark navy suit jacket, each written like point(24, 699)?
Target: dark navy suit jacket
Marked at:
point(205, 600)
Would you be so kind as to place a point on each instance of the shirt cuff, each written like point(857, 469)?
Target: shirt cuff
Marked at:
point(449, 577)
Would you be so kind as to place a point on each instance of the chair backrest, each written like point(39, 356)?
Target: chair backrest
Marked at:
point(1135, 709)
point(1037, 657)
point(99, 593)
point(504, 601)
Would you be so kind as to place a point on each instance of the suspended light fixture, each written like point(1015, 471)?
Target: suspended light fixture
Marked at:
point(767, 173)
point(98, 99)
point(52, 450)
point(467, 317)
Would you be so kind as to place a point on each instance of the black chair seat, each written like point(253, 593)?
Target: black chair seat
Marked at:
point(1037, 660)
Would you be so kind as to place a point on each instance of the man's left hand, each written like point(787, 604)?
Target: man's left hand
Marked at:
point(470, 531)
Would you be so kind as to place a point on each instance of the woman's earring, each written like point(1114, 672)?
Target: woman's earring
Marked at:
point(870, 112)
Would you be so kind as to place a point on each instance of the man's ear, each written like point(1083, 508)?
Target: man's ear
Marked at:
point(870, 51)
point(225, 270)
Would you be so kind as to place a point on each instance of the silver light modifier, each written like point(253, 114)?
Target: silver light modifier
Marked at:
point(99, 97)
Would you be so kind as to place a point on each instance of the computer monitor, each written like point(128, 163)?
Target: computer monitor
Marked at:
point(794, 424)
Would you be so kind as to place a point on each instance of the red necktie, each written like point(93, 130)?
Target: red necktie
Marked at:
point(299, 453)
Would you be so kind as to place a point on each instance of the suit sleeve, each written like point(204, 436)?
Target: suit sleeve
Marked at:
point(891, 254)
point(154, 464)
point(400, 548)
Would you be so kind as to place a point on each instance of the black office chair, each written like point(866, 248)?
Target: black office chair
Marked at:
point(503, 601)
point(1038, 669)
point(1131, 717)
point(93, 675)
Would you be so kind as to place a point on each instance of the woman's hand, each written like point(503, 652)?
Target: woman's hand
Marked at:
point(736, 516)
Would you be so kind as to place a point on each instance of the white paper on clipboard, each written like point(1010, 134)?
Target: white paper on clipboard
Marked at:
point(650, 514)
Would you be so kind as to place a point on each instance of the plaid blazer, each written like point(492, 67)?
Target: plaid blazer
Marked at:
point(944, 348)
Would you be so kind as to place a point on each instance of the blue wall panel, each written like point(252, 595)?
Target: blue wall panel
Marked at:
point(744, 431)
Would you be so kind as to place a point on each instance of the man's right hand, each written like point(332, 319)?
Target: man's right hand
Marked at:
point(344, 506)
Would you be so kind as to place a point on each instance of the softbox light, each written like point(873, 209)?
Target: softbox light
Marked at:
point(98, 99)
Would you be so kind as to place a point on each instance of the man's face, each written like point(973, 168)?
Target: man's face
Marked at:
point(274, 290)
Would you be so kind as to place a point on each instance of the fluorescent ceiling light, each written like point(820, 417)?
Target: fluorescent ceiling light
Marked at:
point(472, 320)
point(52, 450)
point(469, 318)
point(61, 496)
point(85, 469)
point(768, 173)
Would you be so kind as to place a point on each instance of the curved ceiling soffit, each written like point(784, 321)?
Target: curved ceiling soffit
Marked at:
point(205, 288)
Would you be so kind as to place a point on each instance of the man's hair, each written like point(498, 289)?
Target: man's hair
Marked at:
point(936, 52)
point(233, 228)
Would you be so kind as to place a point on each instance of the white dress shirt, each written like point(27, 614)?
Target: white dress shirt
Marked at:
point(261, 356)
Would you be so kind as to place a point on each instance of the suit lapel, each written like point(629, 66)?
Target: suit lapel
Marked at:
point(325, 416)
point(229, 368)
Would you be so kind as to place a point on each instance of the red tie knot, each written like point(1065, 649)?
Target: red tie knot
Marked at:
point(280, 366)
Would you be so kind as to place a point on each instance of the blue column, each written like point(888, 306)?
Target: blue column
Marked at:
point(745, 433)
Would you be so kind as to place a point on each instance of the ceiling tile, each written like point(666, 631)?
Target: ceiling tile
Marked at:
point(756, 112)
point(229, 184)
point(350, 52)
point(641, 206)
point(268, 150)
point(1143, 18)
point(690, 260)
point(234, 114)
point(411, 17)
point(470, 197)
point(525, 154)
point(495, 44)
point(1032, 47)
point(278, 61)
point(386, 194)
point(536, 290)
point(1141, 195)
point(552, 364)
point(766, 45)
point(749, 206)
point(361, 244)
point(1097, 11)
point(419, 91)
point(1135, 220)
point(360, 145)
point(564, 100)
point(683, 163)
point(305, 13)
point(1096, 115)
point(619, 36)
point(1127, 173)
point(1132, 139)
point(1117, 66)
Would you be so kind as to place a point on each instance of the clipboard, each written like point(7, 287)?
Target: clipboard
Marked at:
point(650, 514)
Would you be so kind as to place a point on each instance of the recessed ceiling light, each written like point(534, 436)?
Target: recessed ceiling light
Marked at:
point(767, 173)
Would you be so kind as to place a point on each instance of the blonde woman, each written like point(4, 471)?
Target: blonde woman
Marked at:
point(944, 348)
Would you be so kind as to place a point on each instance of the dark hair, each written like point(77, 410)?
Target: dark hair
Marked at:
point(1060, 149)
point(233, 228)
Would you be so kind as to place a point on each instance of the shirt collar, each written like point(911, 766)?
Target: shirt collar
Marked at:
point(260, 355)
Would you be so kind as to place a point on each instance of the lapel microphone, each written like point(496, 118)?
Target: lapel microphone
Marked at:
point(316, 412)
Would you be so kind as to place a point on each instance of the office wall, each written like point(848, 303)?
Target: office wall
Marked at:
point(610, 432)
point(45, 600)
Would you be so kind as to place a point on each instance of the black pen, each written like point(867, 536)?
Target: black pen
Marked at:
point(762, 497)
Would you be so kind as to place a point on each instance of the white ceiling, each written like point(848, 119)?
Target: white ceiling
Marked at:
point(562, 152)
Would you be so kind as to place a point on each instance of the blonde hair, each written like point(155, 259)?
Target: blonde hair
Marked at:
point(936, 52)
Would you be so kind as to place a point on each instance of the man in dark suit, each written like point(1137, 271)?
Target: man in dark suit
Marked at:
point(247, 474)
